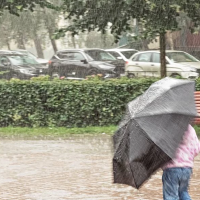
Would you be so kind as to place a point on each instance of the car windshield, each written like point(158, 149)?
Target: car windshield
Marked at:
point(27, 53)
point(128, 54)
point(178, 57)
point(22, 60)
point(99, 55)
point(31, 55)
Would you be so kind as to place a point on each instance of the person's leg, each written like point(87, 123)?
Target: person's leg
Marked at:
point(184, 184)
point(171, 184)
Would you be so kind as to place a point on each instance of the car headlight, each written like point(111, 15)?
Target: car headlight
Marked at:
point(192, 69)
point(189, 69)
point(106, 67)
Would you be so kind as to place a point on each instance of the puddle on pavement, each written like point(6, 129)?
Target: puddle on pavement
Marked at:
point(78, 168)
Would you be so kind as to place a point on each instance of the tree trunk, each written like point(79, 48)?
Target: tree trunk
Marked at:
point(7, 40)
point(53, 42)
point(145, 45)
point(38, 46)
point(8, 45)
point(162, 55)
point(20, 44)
point(73, 42)
point(20, 41)
point(103, 38)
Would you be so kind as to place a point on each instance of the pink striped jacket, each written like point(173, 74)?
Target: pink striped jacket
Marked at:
point(187, 151)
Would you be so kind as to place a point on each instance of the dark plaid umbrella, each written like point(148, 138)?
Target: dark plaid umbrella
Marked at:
point(152, 129)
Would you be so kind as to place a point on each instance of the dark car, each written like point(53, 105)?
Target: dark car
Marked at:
point(39, 60)
point(16, 65)
point(80, 63)
point(102, 55)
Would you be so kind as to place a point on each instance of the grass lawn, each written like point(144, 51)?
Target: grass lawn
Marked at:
point(42, 133)
point(53, 133)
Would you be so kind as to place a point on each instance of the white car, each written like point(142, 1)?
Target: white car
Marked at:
point(123, 54)
point(147, 64)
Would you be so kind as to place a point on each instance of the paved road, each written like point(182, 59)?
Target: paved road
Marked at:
point(78, 168)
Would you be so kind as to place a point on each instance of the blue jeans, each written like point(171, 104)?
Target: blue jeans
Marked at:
point(175, 183)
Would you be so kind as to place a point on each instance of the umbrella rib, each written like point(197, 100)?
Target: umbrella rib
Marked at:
point(121, 140)
point(148, 137)
point(131, 172)
point(175, 113)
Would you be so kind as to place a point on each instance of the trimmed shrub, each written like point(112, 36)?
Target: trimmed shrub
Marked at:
point(40, 102)
point(198, 84)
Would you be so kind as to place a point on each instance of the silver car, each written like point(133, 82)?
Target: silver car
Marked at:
point(123, 54)
point(147, 64)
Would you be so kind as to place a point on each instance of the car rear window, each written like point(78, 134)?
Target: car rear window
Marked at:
point(99, 55)
point(115, 54)
point(71, 55)
point(128, 54)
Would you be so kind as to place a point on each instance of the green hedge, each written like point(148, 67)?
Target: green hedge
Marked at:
point(67, 103)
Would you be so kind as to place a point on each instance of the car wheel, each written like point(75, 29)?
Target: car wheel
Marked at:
point(15, 76)
point(130, 75)
point(92, 72)
point(55, 75)
point(175, 76)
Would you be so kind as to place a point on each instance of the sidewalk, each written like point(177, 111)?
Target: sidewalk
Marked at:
point(79, 168)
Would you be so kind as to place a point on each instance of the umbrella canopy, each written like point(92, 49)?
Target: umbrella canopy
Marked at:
point(152, 129)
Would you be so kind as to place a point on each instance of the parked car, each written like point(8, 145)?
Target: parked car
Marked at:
point(16, 65)
point(102, 55)
point(147, 64)
point(79, 63)
point(123, 54)
point(28, 53)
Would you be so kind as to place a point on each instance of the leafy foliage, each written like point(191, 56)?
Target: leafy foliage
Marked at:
point(16, 6)
point(156, 16)
point(198, 84)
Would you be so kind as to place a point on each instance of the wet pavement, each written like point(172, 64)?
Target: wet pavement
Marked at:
point(78, 168)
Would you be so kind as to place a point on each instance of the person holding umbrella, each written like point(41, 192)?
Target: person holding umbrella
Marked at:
point(151, 133)
point(177, 172)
